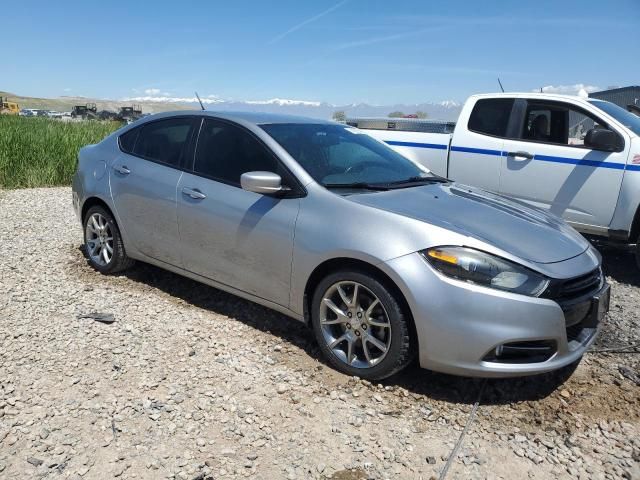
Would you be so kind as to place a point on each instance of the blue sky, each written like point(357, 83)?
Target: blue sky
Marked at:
point(374, 51)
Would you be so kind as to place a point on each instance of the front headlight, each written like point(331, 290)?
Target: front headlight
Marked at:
point(485, 269)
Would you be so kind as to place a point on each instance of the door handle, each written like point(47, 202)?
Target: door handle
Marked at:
point(520, 155)
point(122, 169)
point(194, 193)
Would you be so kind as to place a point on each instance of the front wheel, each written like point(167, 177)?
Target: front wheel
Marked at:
point(103, 243)
point(360, 325)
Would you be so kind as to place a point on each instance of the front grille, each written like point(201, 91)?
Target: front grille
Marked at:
point(575, 297)
point(576, 287)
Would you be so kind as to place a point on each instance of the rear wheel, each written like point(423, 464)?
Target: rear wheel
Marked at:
point(360, 325)
point(103, 243)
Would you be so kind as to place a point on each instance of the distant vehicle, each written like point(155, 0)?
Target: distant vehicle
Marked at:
point(577, 158)
point(107, 115)
point(323, 223)
point(85, 112)
point(130, 114)
point(26, 112)
point(8, 108)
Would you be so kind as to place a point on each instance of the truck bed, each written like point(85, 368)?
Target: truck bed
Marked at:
point(425, 142)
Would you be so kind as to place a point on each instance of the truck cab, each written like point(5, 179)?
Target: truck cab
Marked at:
point(576, 157)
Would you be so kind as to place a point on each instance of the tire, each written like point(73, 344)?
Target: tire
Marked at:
point(365, 324)
point(101, 233)
point(637, 253)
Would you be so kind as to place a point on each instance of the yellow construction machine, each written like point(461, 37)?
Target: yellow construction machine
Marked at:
point(7, 107)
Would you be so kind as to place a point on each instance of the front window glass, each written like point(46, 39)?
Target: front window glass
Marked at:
point(226, 151)
point(336, 155)
point(557, 123)
point(626, 118)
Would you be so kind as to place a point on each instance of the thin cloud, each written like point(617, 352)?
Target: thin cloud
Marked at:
point(577, 89)
point(372, 41)
point(306, 22)
point(386, 38)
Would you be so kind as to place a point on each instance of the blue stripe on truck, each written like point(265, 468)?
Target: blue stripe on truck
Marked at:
point(578, 161)
point(553, 159)
point(481, 151)
point(437, 146)
point(542, 158)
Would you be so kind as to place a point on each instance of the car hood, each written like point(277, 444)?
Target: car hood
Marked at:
point(524, 231)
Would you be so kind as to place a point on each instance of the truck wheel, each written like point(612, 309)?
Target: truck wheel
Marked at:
point(637, 252)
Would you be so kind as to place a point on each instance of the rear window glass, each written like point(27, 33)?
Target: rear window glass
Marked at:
point(128, 140)
point(164, 141)
point(491, 116)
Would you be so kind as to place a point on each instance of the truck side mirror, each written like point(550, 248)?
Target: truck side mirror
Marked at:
point(603, 139)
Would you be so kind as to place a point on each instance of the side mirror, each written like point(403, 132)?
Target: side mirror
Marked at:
point(602, 139)
point(266, 183)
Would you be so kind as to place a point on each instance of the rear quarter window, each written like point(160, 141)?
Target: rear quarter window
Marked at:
point(128, 140)
point(490, 116)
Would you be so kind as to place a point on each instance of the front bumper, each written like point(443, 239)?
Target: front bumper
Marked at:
point(460, 325)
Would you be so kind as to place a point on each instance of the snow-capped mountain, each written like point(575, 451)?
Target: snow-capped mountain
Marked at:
point(445, 110)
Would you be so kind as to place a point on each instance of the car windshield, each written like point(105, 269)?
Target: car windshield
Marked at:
point(628, 119)
point(335, 155)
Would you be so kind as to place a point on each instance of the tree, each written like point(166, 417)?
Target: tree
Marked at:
point(421, 114)
point(396, 115)
point(340, 116)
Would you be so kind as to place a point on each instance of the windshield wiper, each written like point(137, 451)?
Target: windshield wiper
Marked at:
point(358, 185)
point(417, 180)
point(420, 179)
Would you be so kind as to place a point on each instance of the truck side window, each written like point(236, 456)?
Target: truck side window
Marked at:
point(490, 116)
point(557, 123)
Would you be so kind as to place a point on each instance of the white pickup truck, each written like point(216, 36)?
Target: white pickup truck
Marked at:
point(577, 157)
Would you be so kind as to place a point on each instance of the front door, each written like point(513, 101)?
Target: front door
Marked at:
point(239, 238)
point(548, 165)
point(144, 178)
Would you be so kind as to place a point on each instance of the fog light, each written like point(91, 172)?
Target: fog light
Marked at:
point(522, 352)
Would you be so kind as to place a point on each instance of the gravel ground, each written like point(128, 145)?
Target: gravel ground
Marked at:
point(192, 383)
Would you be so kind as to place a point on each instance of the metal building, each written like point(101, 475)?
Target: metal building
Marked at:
point(625, 97)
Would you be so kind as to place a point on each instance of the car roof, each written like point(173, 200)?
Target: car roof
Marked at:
point(258, 118)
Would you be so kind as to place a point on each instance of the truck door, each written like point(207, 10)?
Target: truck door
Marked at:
point(476, 148)
point(546, 163)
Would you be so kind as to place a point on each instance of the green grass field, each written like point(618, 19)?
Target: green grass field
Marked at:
point(42, 152)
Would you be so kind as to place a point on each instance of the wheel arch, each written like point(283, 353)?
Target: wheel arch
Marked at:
point(635, 226)
point(341, 263)
point(92, 202)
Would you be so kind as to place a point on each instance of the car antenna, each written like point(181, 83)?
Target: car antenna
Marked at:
point(500, 83)
point(198, 97)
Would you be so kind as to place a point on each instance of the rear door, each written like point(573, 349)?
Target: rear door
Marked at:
point(476, 148)
point(143, 182)
point(235, 237)
point(547, 164)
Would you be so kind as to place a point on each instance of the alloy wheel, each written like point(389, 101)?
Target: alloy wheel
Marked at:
point(354, 324)
point(99, 239)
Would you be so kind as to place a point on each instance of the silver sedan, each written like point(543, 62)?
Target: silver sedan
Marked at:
point(386, 261)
